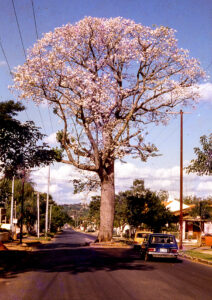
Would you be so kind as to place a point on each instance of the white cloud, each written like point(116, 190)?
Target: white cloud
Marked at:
point(205, 91)
point(51, 139)
point(61, 188)
point(156, 179)
point(162, 179)
point(205, 186)
point(2, 63)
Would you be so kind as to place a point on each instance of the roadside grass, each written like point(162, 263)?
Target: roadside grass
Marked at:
point(197, 254)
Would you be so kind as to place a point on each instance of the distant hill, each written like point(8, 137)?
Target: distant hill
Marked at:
point(75, 210)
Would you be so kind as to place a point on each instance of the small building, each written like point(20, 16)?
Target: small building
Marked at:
point(193, 227)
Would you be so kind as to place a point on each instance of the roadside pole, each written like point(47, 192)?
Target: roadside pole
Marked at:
point(47, 204)
point(181, 179)
point(38, 215)
point(12, 206)
point(50, 217)
point(181, 174)
point(22, 206)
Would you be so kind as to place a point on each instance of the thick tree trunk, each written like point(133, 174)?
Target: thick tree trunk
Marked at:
point(107, 206)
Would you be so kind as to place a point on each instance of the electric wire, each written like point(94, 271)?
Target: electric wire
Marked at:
point(5, 57)
point(21, 38)
point(10, 70)
point(17, 22)
point(36, 31)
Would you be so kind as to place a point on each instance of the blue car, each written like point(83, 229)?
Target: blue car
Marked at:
point(159, 245)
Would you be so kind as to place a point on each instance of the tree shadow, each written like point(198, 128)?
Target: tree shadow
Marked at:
point(61, 257)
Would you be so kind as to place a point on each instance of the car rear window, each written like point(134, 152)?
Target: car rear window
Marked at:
point(162, 240)
point(142, 235)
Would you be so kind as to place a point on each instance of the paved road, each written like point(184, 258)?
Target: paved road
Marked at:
point(67, 269)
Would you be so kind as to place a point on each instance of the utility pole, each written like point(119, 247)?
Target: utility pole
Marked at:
point(15, 215)
point(181, 174)
point(38, 214)
point(50, 217)
point(22, 206)
point(47, 204)
point(181, 179)
point(12, 206)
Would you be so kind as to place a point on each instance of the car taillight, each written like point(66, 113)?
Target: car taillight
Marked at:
point(151, 249)
point(174, 250)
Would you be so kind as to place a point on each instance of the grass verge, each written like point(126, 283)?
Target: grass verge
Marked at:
point(196, 254)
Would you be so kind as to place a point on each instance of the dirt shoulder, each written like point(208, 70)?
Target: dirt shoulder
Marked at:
point(28, 243)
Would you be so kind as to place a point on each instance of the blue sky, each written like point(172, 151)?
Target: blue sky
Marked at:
point(192, 19)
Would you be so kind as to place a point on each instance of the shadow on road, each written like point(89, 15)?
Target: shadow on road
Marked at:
point(69, 253)
point(60, 257)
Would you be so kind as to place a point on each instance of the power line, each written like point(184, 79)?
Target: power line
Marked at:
point(21, 38)
point(10, 70)
point(33, 11)
point(36, 31)
point(5, 57)
point(19, 28)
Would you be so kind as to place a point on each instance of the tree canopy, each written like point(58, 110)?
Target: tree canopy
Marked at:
point(145, 207)
point(58, 217)
point(106, 79)
point(19, 142)
point(138, 207)
point(202, 165)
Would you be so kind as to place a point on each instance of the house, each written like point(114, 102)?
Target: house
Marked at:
point(193, 227)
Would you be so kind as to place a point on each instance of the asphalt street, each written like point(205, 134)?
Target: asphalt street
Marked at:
point(69, 268)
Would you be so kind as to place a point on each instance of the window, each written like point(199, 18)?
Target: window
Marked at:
point(162, 240)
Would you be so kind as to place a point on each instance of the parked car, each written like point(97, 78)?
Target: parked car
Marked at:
point(140, 236)
point(159, 245)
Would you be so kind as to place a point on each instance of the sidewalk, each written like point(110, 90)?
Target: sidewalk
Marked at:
point(196, 253)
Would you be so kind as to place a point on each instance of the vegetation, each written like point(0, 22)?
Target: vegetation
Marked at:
point(94, 210)
point(138, 207)
point(202, 207)
point(5, 191)
point(197, 254)
point(20, 146)
point(145, 207)
point(202, 165)
point(59, 216)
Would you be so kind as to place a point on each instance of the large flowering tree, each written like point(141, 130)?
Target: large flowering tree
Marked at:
point(106, 79)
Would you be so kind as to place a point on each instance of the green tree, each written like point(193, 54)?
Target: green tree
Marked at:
point(137, 206)
point(188, 200)
point(5, 191)
point(20, 146)
point(120, 217)
point(202, 165)
point(145, 207)
point(94, 210)
point(203, 209)
point(59, 218)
